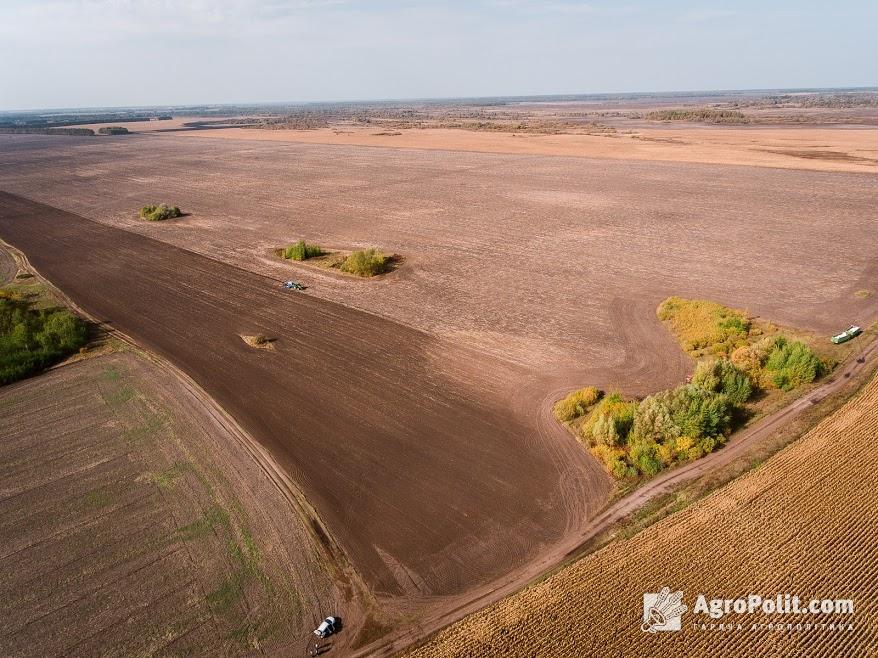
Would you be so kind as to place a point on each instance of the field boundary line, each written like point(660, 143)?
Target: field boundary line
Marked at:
point(334, 555)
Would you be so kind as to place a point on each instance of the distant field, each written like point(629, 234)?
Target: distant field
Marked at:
point(131, 524)
point(802, 523)
point(809, 147)
point(415, 410)
point(546, 261)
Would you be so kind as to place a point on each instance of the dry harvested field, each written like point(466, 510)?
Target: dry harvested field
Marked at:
point(132, 523)
point(415, 409)
point(545, 261)
point(847, 148)
point(795, 525)
point(435, 467)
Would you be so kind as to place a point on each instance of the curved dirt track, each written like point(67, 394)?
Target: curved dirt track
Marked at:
point(407, 447)
point(575, 541)
point(8, 268)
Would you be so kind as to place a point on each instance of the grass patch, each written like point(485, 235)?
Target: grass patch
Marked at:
point(301, 250)
point(95, 500)
point(213, 517)
point(160, 212)
point(226, 595)
point(32, 339)
point(111, 374)
point(366, 262)
point(705, 327)
point(120, 396)
point(167, 479)
point(150, 427)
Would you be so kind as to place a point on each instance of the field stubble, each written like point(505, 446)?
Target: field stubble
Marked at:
point(130, 524)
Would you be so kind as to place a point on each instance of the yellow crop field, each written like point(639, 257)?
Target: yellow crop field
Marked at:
point(802, 524)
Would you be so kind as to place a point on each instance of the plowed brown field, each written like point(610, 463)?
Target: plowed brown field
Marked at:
point(537, 259)
point(802, 523)
point(131, 524)
point(420, 457)
point(415, 410)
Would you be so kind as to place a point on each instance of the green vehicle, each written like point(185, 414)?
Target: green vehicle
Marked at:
point(845, 336)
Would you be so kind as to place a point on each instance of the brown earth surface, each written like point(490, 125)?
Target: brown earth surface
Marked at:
point(849, 148)
point(421, 457)
point(131, 523)
point(800, 524)
point(549, 267)
point(539, 260)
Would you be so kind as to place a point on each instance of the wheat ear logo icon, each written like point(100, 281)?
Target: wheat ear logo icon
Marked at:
point(662, 611)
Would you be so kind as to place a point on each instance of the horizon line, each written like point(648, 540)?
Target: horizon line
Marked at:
point(426, 99)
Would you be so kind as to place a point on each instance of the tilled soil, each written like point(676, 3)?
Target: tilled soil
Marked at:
point(437, 468)
point(531, 258)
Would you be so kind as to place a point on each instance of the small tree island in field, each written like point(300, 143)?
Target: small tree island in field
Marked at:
point(159, 212)
point(113, 130)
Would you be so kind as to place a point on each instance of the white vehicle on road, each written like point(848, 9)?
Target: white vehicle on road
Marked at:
point(327, 627)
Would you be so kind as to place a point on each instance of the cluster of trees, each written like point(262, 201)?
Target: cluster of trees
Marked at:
point(113, 130)
point(301, 250)
point(159, 212)
point(366, 262)
point(635, 438)
point(36, 130)
point(705, 114)
point(775, 362)
point(642, 438)
point(32, 339)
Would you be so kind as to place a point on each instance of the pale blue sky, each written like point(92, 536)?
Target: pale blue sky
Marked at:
point(73, 53)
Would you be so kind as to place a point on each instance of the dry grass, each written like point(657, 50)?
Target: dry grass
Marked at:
point(576, 404)
point(802, 523)
point(258, 341)
point(705, 327)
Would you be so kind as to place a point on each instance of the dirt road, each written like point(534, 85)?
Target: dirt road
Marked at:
point(407, 446)
point(575, 542)
point(8, 268)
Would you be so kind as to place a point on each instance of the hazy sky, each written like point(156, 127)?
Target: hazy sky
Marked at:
point(73, 53)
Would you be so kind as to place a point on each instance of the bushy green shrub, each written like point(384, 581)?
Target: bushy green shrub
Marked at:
point(301, 250)
point(722, 376)
point(610, 421)
point(576, 404)
point(776, 362)
point(32, 339)
point(159, 212)
point(644, 456)
point(366, 262)
point(791, 364)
